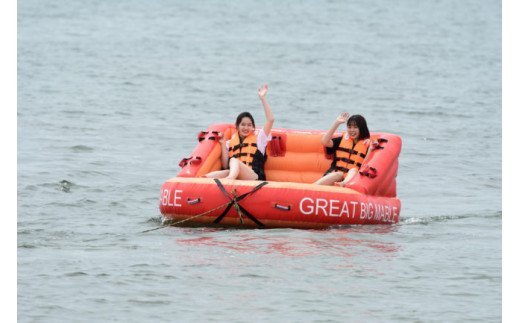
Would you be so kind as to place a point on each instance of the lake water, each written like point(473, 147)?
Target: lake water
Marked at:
point(111, 95)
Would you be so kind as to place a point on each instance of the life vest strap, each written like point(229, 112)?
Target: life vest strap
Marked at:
point(242, 145)
point(347, 150)
point(247, 163)
point(343, 159)
point(348, 161)
point(343, 169)
point(243, 154)
point(352, 152)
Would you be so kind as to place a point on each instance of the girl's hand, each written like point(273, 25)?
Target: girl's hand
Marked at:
point(372, 144)
point(262, 91)
point(342, 118)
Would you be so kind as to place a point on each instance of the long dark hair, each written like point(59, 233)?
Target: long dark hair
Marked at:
point(242, 116)
point(361, 123)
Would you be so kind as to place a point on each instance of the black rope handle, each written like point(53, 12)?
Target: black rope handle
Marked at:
point(233, 201)
point(379, 142)
point(190, 160)
point(369, 172)
point(202, 135)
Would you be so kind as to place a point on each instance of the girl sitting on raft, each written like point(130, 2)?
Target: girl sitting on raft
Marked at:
point(243, 156)
point(350, 150)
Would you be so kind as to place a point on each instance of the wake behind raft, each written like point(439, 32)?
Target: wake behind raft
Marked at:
point(287, 199)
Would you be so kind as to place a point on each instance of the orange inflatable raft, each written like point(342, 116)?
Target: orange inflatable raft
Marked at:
point(287, 199)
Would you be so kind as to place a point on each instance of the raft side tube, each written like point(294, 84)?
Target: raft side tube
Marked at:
point(302, 205)
point(385, 162)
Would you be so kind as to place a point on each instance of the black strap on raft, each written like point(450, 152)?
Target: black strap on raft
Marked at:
point(369, 172)
point(379, 142)
point(191, 160)
point(233, 202)
point(202, 135)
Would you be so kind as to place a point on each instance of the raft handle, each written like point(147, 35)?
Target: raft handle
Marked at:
point(282, 207)
point(190, 160)
point(369, 172)
point(202, 135)
point(191, 201)
point(379, 142)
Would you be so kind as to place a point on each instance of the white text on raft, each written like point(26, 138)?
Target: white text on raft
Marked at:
point(168, 199)
point(319, 206)
point(337, 208)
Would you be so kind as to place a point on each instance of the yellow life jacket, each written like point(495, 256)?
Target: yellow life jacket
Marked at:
point(350, 156)
point(244, 151)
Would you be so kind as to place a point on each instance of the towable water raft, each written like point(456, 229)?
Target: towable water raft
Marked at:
point(287, 199)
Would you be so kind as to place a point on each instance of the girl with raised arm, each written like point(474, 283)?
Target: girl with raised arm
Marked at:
point(349, 150)
point(243, 156)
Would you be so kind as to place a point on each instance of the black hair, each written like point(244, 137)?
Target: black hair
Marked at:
point(361, 123)
point(242, 116)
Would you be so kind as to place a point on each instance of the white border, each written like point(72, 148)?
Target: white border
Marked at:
point(8, 133)
point(510, 216)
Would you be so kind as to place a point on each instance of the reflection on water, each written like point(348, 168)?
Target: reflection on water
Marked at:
point(346, 242)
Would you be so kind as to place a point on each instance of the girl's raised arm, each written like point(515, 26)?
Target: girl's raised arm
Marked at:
point(262, 92)
point(326, 140)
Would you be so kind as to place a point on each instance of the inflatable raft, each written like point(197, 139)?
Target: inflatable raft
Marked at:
point(287, 199)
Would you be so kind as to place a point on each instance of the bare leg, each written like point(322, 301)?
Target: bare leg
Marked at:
point(218, 174)
point(351, 173)
point(239, 170)
point(330, 178)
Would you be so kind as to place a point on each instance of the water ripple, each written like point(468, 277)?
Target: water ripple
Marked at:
point(81, 149)
point(443, 218)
